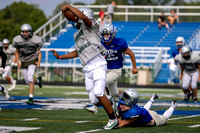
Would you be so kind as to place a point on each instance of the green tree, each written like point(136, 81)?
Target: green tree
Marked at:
point(13, 16)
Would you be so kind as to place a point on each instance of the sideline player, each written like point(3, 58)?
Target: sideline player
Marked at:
point(190, 64)
point(10, 51)
point(114, 54)
point(89, 48)
point(2, 70)
point(132, 115)
point(28, 52)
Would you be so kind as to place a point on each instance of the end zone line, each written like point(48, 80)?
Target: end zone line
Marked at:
point(184, 117)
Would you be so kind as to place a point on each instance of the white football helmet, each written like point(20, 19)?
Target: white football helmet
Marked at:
point(108, 29)
point(26, 28)
point(88, 12)
point(5, 41)
point(129, 97)
point(180, 39)
point(184, 50)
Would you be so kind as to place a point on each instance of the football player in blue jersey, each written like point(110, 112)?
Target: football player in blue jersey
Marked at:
point(180, 42)
point(114, 54)
point(130, 114)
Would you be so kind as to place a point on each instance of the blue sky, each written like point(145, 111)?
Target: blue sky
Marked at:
point(46, 5)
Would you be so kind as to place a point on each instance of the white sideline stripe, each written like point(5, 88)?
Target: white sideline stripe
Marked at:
point(4, 129)
point(30, 119)
point(90, 131)
point(81, 121)
point(198, 125)
point(184, 117)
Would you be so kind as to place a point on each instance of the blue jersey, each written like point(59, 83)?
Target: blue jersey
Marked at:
point(176, 52)
point(114, 53)
point(142, 115)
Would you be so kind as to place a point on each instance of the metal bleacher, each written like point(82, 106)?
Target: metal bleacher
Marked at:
point(138, 34)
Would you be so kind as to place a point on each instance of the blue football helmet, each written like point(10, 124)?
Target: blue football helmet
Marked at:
point(108, 29)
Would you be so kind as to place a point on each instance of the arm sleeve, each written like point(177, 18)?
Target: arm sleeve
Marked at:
point(4, 58)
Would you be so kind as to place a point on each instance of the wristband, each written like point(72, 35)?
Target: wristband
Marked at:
point(59, 57)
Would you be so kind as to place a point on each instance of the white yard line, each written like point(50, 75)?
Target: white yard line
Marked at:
point(90, 131)
point(184, 117)
point(8, 129)
point(81, 121)
point(30, 119)
point(198, 125)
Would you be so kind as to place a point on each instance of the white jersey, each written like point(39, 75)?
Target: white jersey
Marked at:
point(190, 65)
point(87, 42)
point(10, 51)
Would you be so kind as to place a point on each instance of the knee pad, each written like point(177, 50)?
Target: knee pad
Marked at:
point(185, 86)
point(194, 85)
point(4, 76)
point(113, 89)
point(30, 78)
point(27, 82)
point(99, 87)
point(92, 97)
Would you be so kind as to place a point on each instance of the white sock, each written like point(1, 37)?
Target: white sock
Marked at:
point(147, 106)
point(31, 95)
point(168, 113)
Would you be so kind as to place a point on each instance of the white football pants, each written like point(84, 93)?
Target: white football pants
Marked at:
point(29, 73)
point(7, 71)
point(111, 81)
point(190, 78)
point(95, 81)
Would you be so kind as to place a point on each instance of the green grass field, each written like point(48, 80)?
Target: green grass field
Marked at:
point(60, 120)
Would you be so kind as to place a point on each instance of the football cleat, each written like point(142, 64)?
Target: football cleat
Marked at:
point(186, 98)
point(5, 92)
point(30, 101)
point(112, 124)
point(195, 100)
point(40, 81)
point(93, 109)
point(154, 97)
point(174, 103)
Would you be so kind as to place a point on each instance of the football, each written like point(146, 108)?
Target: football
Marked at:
point(70, 16)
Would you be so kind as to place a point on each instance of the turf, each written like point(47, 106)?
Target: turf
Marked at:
point(65, 121)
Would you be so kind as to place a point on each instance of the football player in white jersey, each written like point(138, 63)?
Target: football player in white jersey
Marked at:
point(89, 49)
point(9, 51)
point(28, 56)
point(190, 64)
point(116, 48)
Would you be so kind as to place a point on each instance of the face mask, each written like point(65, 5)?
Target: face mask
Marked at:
point(186, 57)
point(179, 46)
